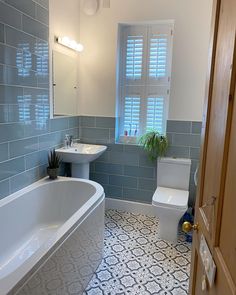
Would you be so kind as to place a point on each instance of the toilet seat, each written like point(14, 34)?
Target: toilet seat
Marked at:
point(170, 198)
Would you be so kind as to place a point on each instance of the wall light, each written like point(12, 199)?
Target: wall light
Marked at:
point(72, 44)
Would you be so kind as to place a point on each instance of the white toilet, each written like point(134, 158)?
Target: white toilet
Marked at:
point(170, 199)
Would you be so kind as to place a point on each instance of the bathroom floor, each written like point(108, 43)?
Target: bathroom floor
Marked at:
point(137, 262)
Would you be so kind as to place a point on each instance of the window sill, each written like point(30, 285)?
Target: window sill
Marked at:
point(128, 139)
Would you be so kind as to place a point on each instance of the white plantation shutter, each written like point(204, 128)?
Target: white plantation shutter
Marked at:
point(144, 77)
point(131, 114)
point(155, 114)
point(134, 57)
point(158, 56)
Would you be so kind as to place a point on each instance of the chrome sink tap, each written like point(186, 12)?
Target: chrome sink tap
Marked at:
point(68, 140)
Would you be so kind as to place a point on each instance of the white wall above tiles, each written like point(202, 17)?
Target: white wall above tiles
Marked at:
point(64, 21)
point(98, 61)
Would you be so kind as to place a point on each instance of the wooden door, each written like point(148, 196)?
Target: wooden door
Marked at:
point(216, 196)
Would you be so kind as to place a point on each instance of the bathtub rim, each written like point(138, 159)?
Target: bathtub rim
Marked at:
point(11, 282)
point(44, 181)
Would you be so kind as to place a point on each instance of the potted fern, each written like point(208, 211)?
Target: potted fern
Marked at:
point(155, 144)
point(54, 162)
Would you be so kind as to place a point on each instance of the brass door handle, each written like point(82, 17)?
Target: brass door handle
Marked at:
point(187, 227)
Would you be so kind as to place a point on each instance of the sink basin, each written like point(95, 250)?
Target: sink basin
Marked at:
point(80, 155)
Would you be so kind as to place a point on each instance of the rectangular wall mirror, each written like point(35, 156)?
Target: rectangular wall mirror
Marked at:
point(64, 81)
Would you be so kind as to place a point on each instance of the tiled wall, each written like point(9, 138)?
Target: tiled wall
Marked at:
point(124, 170)
point(26, 132)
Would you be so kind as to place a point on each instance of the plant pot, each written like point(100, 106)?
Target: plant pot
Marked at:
point(52, 172)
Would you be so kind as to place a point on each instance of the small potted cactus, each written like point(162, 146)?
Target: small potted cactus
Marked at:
point(54, 162)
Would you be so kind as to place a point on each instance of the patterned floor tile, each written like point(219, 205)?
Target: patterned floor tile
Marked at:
point(136, 262)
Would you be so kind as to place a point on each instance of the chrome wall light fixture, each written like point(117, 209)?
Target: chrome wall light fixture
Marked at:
point(72, 44)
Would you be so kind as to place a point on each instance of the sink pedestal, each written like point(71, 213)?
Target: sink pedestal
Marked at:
point(80, 170)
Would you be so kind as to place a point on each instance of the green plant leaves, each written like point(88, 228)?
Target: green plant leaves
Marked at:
point(155, 144)
point(54, 160)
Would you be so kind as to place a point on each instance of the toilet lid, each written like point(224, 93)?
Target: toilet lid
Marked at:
point(169, 197)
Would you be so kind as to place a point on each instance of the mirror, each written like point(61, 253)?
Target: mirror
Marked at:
point(65, 100)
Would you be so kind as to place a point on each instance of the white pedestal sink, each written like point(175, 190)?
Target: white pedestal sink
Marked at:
point(80, 155)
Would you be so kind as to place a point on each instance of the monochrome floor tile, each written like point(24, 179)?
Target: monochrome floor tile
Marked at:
point(136, 262)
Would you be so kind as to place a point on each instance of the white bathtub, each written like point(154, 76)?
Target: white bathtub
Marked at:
point(48, 233)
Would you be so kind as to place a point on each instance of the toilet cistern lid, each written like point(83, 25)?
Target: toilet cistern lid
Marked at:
point(169, 197)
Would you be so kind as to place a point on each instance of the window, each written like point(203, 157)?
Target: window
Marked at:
point(144, 72)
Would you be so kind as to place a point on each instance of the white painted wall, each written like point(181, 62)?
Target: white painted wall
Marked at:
point(64, 21)
point(98, 34)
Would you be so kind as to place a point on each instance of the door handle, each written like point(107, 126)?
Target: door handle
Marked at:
point(187, 226)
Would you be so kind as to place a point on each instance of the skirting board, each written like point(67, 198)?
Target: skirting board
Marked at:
point(129, 206)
